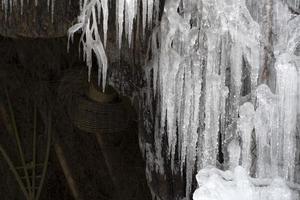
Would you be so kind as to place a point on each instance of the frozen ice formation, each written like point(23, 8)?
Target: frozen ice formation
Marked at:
point(190, 72)
point(225, 71)
point(214, 184)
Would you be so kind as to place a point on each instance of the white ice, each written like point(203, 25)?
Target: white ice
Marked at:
point(214, 184)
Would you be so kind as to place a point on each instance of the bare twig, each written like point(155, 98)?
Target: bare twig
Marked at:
point(66, 169)
point(18, 141)
point(46, 160)
point(34, 150)
point(14, 171)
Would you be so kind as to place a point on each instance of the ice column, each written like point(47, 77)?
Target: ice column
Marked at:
point(266, 131)
point(245, 128)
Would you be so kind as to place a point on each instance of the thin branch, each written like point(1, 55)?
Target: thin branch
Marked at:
point(18, 141)
point(46, 161)
point(66, 169)
point(34, 150)
point(14, 171)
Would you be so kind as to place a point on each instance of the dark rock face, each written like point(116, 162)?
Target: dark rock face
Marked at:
point(37, 21)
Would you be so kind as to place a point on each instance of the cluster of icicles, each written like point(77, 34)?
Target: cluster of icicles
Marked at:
point(8, 6)
point(95, 11)
point(204, 79)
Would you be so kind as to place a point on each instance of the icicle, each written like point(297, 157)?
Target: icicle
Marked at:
point(287, 91)
point(52, 10)
point(48, 5)
point(105, 19)
point(6, 9)
point(22, 6)
point(120, 18)
point(156, 11)
point(80, 5)
point(245, 127)
point(144, 13)
point(10, 6)
point(234, 151)
point(150, 12)
point(130, 15)
point(99, 9)
point(212, 113)
point(266, 127)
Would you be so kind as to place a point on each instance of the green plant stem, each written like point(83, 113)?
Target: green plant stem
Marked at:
point(45, 167)
point(14, 171)
point(34, 150)
point(16, 133)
